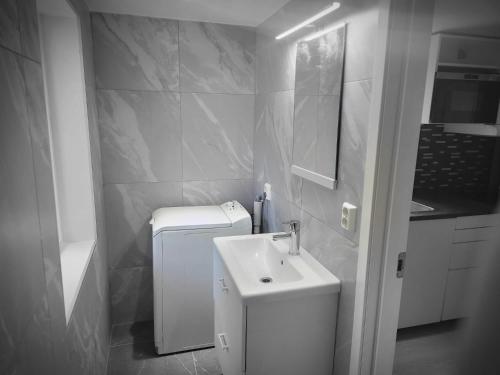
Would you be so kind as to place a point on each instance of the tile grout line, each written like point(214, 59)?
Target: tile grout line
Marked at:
point(181, 120)
point(194, 363)
point(113, 346)
point(178, 181)
point(164, 91)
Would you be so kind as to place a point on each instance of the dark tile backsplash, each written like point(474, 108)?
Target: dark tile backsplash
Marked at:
point(455, 163)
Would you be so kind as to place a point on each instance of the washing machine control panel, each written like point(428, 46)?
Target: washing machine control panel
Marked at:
point(236, 212)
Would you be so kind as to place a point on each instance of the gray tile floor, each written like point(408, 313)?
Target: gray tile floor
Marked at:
point(428, 350)
point(132, 353)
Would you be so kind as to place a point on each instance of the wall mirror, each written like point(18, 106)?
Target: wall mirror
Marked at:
point(318, 98)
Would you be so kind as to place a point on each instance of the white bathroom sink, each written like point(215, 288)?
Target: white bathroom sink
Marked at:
point(262, 268)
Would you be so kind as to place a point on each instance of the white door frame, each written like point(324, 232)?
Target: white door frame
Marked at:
point(405, 28)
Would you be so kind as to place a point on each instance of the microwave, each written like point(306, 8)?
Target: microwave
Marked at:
point(466, 96)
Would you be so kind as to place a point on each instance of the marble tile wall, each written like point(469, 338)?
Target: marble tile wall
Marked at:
point(34, 336)
point(216, 58)
point(293, 198)
point(175, 102)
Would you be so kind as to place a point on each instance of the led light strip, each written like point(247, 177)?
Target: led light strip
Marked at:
point(332, 8)
point(322, 32)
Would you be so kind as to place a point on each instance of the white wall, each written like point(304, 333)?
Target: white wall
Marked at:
point(474, 17)
point(69, 128)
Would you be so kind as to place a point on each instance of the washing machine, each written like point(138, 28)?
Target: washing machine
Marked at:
point(183, 271)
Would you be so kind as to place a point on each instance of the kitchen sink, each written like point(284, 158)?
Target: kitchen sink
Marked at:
point(419, 207)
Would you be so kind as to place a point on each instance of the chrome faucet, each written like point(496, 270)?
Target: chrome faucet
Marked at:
point(294, 236)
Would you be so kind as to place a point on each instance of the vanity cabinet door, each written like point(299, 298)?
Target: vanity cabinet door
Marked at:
point(230, 321)
point(220, 302)
point(427, 260)
point(294, 336)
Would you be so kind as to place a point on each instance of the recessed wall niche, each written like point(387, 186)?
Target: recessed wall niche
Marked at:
point(62, 63)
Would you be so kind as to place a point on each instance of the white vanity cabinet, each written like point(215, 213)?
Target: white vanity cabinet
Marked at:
point(280, 337)
point(229, 322)
point(443, 257)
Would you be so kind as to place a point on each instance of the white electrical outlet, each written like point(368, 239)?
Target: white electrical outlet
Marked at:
point(267, 190)
point(348, 221)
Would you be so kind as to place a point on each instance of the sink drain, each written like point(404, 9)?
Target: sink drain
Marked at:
point(266, 280)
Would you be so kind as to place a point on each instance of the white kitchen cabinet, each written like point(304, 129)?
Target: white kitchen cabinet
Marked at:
point(472, 240)
point(424, 283)
point(473, 234)
point(478, 221)
point(282, 337)
point(442, 261)
point(468, 254)
point(459, 289)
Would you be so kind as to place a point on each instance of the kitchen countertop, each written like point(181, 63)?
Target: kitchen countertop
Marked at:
point(448, 206)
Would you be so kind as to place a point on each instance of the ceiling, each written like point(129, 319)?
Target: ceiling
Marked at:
point(235, 12)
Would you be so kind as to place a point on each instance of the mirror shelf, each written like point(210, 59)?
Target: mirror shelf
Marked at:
point(317, 178)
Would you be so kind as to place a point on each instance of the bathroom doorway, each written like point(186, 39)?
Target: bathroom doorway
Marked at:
point(411, 28)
